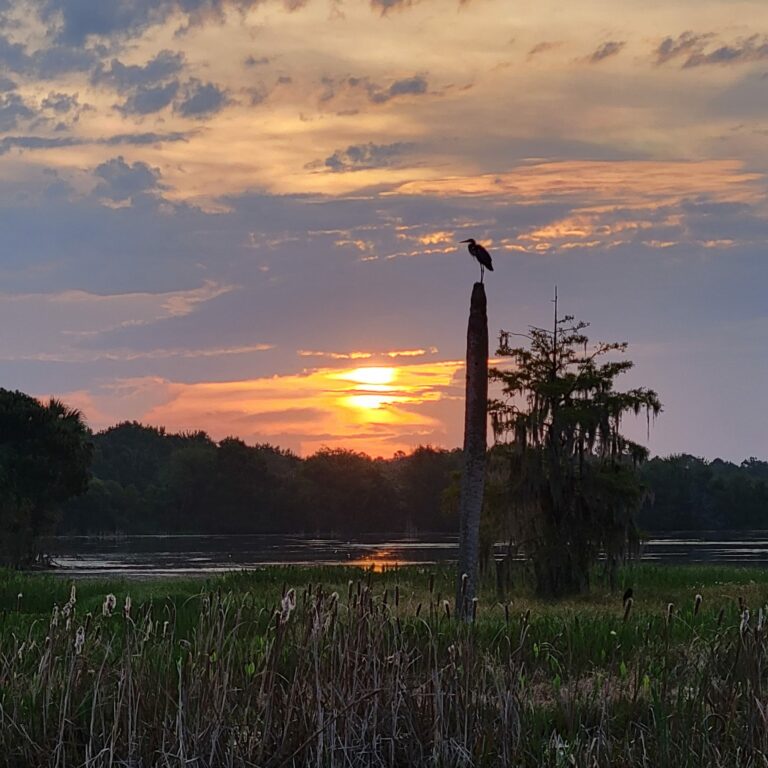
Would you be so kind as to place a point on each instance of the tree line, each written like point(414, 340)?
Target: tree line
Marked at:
point(145, 480)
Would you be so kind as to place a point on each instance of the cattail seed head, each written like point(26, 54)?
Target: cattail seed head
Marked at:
point(287, 605)
point(447, 608)
point(418, 609)
point(744, 625)
point(464, 584)
point(697, 604)
point(475, 601)
point(127, 607)
point(109, 605)
point(79, 640)
point(670, 609)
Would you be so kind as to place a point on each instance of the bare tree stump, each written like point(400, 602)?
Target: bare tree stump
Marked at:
point(475, 438)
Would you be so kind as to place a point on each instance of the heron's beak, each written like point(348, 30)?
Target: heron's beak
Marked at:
point(464, 241)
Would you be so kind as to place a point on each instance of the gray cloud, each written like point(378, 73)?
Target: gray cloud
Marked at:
point(36, 142)
point(252, 61)
point(145, 138)
point(147, 99)
point(606, 50)
point(543, 47)
point(73, 22)
point(13, 55)
point(6, 84)
point(121, 181)
point(46, 62)
point(673, 47)
point(358, 157)
point(60, 103)
point(13, 109)
point(201, 99)
point(50, 62)
point(378, 94)
point(163, 66)
point(52, 142)
point(754, 48)
point(692, 49)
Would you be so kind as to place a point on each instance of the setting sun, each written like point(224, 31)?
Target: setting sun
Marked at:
point(373, 376)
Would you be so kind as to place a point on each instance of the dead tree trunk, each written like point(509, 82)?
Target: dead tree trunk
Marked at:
point(473, 471)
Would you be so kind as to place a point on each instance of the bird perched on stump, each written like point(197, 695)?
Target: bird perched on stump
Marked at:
point(482, 256)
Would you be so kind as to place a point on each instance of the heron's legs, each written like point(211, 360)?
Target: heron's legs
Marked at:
point(482, 272)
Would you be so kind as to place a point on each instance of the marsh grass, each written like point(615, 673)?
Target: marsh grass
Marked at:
point(339, 667)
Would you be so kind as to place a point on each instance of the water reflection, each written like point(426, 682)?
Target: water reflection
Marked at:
point(139, 556)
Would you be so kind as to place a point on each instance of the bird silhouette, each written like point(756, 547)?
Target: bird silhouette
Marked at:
point(627, 595)
point(481, 255)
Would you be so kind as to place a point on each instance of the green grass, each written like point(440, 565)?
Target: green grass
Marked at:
point(369, 670)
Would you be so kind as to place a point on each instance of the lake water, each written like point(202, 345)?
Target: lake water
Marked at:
point(157, 556)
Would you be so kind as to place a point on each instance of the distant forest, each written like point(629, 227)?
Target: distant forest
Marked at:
point(145, 480)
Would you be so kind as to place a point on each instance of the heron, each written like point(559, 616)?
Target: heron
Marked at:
point(482, 256)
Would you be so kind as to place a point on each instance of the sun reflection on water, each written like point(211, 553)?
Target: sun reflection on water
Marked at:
point(378, 562)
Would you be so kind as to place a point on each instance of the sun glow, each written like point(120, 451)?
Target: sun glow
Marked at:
point(372, 376)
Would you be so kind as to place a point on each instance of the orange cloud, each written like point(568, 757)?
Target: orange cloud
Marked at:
point(627, 181)
point(377, 409)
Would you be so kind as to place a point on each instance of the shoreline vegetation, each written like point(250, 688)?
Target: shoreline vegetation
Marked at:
point(334, 666)
point(145, 480)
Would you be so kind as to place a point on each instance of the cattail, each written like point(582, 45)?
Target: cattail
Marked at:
point(760, 619)
point(697, 604)
point(386, 595)
point(18, 601)
point(527, 616)
point(418, 610)
point(431, 583)
point(287, 605)
point(397, 595)
point(720, 617)
point(628, 608)
point(475, 601)
point(744, 626)
point(464, 584)
point(73, 595)
point(447, 608)
point(350, 584)
point(127, 607)
point(79, 640)
point(109, 605)
point(506, 612)
point(55, 616)
point(742, 604)
point(670, 609)
point(165, 628)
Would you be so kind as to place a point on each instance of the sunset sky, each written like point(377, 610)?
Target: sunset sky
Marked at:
point(243, 215)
